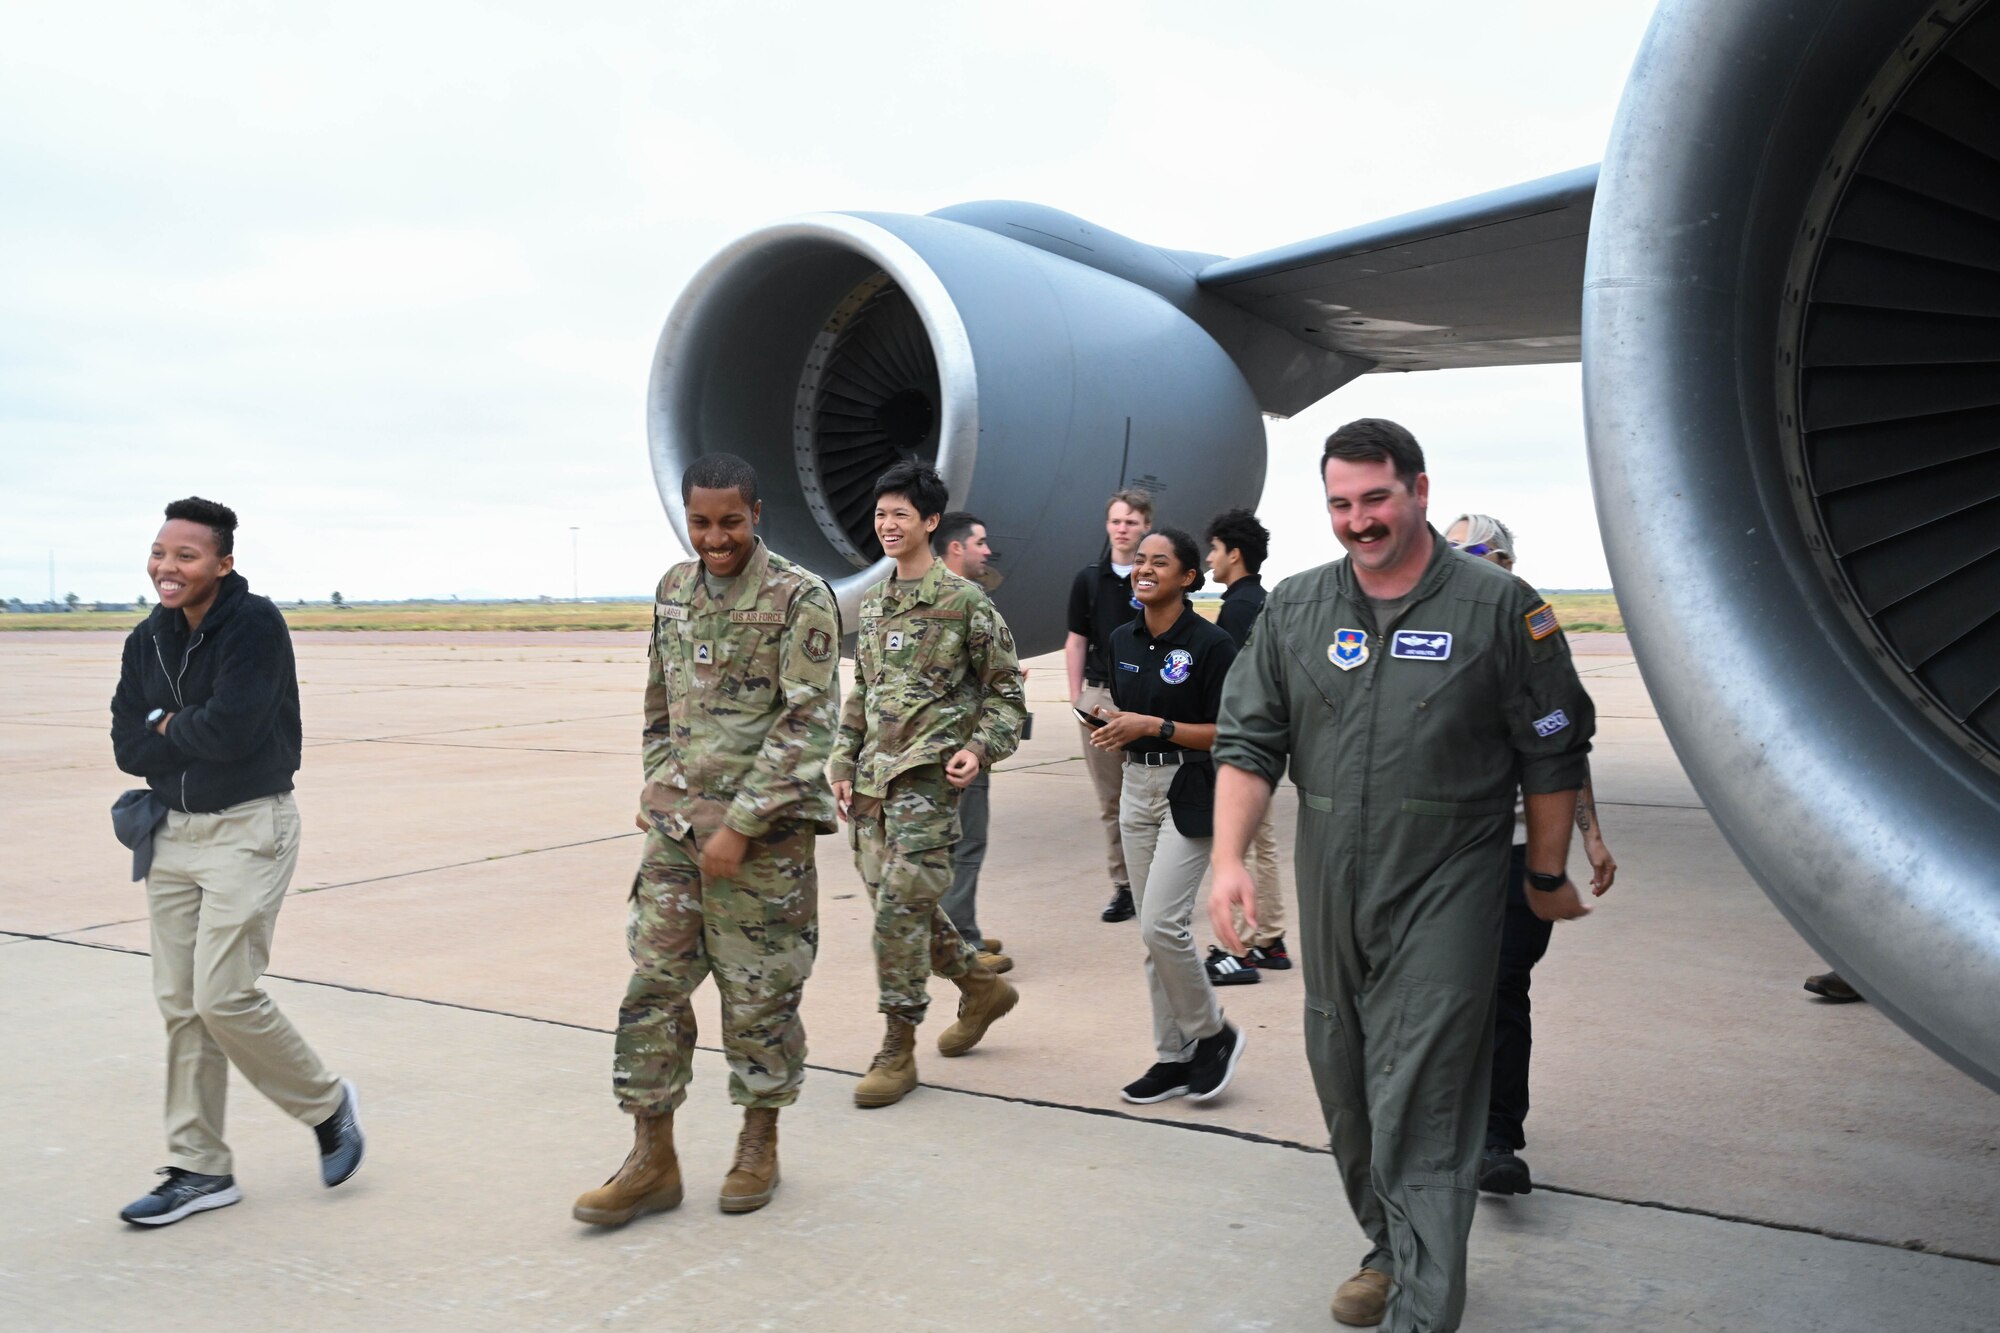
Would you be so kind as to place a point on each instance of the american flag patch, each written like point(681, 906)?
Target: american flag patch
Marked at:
point(1542, 622)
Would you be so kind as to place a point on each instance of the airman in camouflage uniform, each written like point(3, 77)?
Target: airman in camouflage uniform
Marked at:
point(741, 695)
point(935, 675)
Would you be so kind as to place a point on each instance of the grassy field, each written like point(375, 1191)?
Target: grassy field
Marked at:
point(1579, 611)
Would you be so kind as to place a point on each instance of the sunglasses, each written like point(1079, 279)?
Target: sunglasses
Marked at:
point(1478, 548)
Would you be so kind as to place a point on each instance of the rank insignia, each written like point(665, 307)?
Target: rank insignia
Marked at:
point(1348, 650)
point(1542, 622)
point(895, 643)
point(819, 645)
point(704, 655)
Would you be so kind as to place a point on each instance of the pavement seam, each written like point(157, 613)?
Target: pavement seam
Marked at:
point(1247, 1136)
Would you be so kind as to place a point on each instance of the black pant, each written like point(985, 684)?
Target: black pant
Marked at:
point(1524, 938)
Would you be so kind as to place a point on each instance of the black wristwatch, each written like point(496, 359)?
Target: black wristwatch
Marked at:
point(153, 718)
point(1166, 728)
point(1547, 883)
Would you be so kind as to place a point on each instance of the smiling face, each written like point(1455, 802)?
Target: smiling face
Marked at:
point(905, 535)
point(187, 566)
point(1378, 519)
point(1159, 579)
point(722, 529)
point(1124, 525)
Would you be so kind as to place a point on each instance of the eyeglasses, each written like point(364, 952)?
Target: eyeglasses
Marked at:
point(1479, 548)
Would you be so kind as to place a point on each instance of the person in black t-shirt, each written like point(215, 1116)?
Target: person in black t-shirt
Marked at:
point(1237, 545)
point(1168, 665)
point(1100, 600)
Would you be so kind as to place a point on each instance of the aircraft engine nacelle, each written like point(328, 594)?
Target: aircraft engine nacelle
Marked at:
point(826, 348)
point(1791, 333)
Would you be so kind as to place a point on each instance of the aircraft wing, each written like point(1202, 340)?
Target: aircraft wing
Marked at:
point(1494, 280)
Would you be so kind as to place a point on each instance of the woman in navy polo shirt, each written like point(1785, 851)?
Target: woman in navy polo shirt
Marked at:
point(1167, 667)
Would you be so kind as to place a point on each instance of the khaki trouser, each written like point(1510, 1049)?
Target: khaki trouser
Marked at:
point(1166, 877)
point(1107, 777)
point(214, 891)
point(1263, 864)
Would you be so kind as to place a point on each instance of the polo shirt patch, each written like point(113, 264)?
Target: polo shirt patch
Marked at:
point(1550, 725)
point(1542, 622)
point(1348, 650)
point(1424, 645)
point(1178, 666)
point(1128, 666)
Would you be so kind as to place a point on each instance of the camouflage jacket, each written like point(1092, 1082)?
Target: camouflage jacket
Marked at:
point(934, 673)
point(741, 698)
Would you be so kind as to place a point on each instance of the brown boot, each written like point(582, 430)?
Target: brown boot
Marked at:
point(894, 1070)
point(753, 1177)
point(649, 1182)
point(984, 999)
point(1362, 1298)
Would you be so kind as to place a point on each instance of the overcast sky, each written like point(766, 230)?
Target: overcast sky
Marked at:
point(387, 278)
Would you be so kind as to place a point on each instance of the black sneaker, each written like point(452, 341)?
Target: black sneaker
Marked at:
point(1270, 957)
point(340, 1139)
point(1501, 1172)
point(182, 1192)
point(1120, 907)
point(1226, 969)
point(1215, 1062)
point(1157, 1084)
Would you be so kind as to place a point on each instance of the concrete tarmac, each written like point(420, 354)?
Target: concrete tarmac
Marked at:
point(1714, 1148)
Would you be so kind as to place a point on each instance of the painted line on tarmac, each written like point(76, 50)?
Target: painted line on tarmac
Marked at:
point(1246, 1135)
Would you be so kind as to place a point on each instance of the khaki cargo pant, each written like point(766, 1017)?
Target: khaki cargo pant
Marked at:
point(1263, 863)
point(1167, 870)
point(216, 884)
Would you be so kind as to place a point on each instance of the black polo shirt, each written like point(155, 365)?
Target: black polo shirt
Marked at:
point(1100, 600)
point(1241, 603)
point(1177, 676)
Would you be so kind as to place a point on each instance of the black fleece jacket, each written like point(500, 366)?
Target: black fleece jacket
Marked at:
point(233, 689)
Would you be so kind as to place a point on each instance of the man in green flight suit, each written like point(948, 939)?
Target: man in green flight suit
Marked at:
point(1409, 688)
point(937, 698)
point(741, 697)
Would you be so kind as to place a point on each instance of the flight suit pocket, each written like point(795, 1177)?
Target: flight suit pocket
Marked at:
point(943, 646)
point(1442, 1033)
point(1331, 1055)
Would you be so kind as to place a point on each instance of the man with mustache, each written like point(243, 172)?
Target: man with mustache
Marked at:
point(742, 689)
point(1410, 689)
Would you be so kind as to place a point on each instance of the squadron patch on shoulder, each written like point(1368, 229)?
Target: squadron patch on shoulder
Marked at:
point(1178, 666)
point(1542, 622)
point(1348, 650)
point(1424, 645)
point(819, 645)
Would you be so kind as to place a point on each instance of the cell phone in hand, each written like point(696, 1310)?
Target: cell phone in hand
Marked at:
point(1088, 719)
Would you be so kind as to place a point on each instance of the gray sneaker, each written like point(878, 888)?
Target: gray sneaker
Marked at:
point(341, 1142)
point(182, 1192)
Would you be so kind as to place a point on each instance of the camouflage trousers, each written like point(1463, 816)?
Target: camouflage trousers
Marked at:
point(902, 845)
point(756, 933)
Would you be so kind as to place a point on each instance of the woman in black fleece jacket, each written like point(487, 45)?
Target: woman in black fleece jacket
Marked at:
point(207, 711)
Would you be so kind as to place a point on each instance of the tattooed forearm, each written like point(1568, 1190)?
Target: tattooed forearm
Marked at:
point(1586, 810)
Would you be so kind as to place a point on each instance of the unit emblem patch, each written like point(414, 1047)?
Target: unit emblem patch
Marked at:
point(1422, 644)
point(1542, 622)
point(819, 645)
point(1178, 666)
point(1348, 650)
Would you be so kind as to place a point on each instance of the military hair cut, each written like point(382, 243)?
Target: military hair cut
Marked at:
point(219, 519)
point(1372, 439)
point(916, 482)
point(955, 526)
point(720, 472)
point(1239, 530)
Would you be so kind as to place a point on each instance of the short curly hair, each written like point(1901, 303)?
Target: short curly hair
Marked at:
point(219, 519)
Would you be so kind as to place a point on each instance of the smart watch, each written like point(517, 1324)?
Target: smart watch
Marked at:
point(153, 718)
point(1547, 883)
point(1166, 729)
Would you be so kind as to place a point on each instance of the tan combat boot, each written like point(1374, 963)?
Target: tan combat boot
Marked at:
point(753, 1177)
point(894, 1071)
point(984, 999)
point(1362, 1298)
point(649, 1182)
